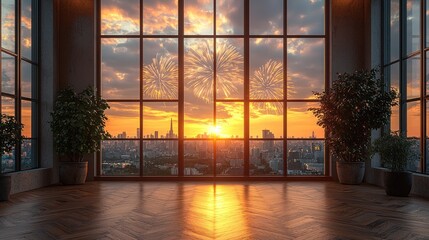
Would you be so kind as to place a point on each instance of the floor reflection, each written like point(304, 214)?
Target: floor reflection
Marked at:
point(216, 211)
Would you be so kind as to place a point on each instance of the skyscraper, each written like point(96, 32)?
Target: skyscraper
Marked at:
point(268, 144)
point(170, 133)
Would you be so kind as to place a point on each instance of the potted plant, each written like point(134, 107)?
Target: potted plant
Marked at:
point(10, 136)
point(395, 151)
point(78, 127)
point(356, 103)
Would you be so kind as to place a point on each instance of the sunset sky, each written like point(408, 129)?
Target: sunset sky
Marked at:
point(9, 62)
point(120, 66)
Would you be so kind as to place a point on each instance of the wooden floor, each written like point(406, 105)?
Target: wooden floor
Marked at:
point(184, 210)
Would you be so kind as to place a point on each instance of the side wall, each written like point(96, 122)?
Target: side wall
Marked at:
point(350, 44)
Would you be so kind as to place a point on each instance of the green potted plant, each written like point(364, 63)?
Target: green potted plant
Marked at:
point(395, 151)
point(10, 137)
point(78, 127)
point(356, 103)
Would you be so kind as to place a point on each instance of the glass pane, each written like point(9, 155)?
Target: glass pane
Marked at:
point(160, 120)
point(229, 68)
point(120, 158)
point(266, 68)
point(28, 154)
point(198, 87)
point(160, 17)
point(160, 158)
point(413, 119)
point(229, 158)
point(198, 17)
point(413, 130)
point(229, 17)
point(306, 67)
point(26, 118)
point(229, 120)
point(8, 24)
point(266, 120)
point(301, 123)
point(27, 30)
point(427, 71)
point(413, 77)
point(427, 137)
point(120, 68)
point(266, 158)
point(198, 158)
point(394, 119)
point(123, 120)
point(160, 68)
point(120, 17)
point(27, 78)
point(8, 162)
point(392, 30)
point(392, 75)
point(413, 26)
point(414, 160)
point(305, 157)
point(8, 106)
point(8, 66)
point(8, 159)
point(427, 34)
point(306, 17)
point(266, 17)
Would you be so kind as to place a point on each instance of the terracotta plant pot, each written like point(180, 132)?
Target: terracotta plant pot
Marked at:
point(398, 183)
point(350, 172)
point(5, 186)
point(72, 173)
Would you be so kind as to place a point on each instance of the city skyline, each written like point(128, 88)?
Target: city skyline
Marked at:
point(266, 134)
point(160, 158)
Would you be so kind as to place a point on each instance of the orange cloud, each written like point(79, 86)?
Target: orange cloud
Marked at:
point(199, 18)
point(115, 20)
point(160, 17)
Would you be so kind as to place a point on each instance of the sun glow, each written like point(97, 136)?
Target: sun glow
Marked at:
point(215, 131)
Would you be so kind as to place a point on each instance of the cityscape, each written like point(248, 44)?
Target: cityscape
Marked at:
point(160, 157)
point(27, 161)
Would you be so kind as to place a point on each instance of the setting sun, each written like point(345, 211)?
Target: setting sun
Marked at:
point(215, 130)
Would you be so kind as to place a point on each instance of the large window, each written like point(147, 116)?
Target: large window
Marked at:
point(405, 62)
point(19, 73)
point(212, 87)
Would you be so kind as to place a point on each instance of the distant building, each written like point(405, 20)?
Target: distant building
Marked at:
point(268, 144)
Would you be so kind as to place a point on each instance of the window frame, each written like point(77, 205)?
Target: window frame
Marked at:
point(246, 36)
point(17, 95)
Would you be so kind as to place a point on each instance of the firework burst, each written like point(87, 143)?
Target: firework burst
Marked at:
point(160, 78)
point(266, 83)
point(200, 71)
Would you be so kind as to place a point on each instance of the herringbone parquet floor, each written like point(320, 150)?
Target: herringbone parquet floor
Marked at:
point(184, 210)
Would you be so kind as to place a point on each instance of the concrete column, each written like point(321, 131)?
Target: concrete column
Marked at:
point(350, 44)
point(76, 49)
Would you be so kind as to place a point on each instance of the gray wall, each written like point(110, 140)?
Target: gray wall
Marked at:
point(350, 44)
point(76, 50)
point(350, 28)
point(48, 86)
point(76, 43)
